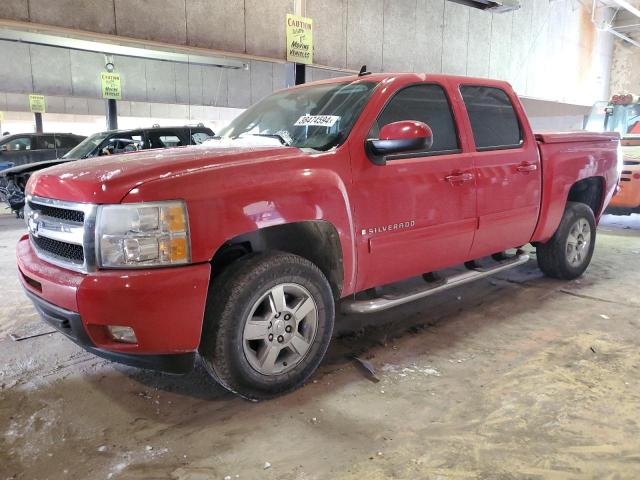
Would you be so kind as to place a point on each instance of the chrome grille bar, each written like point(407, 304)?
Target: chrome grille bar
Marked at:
point(62, 230)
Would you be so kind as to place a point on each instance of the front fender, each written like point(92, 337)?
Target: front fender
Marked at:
point(227, 202)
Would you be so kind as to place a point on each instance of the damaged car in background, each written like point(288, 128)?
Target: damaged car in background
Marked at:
point(14, 179)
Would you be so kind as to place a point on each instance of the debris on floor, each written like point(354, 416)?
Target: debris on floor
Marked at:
point(367, 367)
point(18, 338)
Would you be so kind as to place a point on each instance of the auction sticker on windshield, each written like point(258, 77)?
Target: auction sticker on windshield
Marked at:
point(317, 120)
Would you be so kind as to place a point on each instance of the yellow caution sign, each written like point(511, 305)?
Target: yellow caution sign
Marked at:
point(1, 116)
point(299, 39)
point(111, 87)
point(36, 103)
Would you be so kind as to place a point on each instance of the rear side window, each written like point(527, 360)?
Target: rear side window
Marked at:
point(423, 103)
point(170, 141)
point(164, 139)
point(198, 137)
point(493, 120)
point(45, 142)
point(63, 141)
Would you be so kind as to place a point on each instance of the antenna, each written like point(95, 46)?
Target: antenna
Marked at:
point(363, 71)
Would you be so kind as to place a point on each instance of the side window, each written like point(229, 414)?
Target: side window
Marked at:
point(493, 120)
point(162, 140)
point(20, 143)
point(423, 103)
point(198, 137)
point(63, 141)
point(170, 141)
point(122, 143)
point(45, 142)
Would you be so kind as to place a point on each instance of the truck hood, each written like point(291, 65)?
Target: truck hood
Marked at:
point(108, 179)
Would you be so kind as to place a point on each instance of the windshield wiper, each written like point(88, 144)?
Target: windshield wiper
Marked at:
point(337, 138)
point(271, 135)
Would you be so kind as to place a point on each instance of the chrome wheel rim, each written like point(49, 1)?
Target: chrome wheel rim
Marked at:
point(578, 242)
point(280, 329)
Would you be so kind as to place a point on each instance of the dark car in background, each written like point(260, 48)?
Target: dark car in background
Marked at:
point(13, 180)
point(22, 148)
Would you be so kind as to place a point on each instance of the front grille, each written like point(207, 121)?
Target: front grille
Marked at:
point(61, 232)
point(59, 213)
point(63, 250)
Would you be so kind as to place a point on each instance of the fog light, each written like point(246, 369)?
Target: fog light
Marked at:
point(122, 334)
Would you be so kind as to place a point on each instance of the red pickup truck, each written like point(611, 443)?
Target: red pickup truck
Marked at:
point(238, 250)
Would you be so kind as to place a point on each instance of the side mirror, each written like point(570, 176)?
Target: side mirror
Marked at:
point(399, 137)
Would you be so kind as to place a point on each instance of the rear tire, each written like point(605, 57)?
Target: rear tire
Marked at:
point(568, 253)
point(268, 323)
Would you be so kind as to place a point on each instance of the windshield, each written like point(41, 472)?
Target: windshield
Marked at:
point(318, 116)
point(87, 146)
point(624, 119)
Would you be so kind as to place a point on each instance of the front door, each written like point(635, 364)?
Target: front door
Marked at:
point(507, 170)
point(416, 213)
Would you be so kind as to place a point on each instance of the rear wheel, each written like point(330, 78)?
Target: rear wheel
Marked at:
point(568, 253)
point(269, 321)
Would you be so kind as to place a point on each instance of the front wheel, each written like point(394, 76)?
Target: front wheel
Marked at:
point(268, 324)
point(568, 253)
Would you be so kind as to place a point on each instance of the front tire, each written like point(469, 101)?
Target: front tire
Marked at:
point(268, 324)
point(568, 253)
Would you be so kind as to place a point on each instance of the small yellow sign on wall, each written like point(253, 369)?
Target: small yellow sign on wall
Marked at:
point(1, 116)
point(299, 39)
point(111, 87)
point(36, 103)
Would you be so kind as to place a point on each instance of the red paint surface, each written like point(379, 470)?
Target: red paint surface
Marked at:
point(393, 221)
point(164, 306)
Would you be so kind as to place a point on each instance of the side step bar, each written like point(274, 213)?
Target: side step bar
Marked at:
point(389, 301)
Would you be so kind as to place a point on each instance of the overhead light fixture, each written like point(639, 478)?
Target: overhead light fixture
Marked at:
point(494, 6)
point(106, 48)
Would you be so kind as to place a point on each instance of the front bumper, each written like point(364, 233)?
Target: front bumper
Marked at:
point(70, 324)
point(165, 308)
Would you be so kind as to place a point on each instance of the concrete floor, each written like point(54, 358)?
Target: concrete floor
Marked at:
point(513, 377)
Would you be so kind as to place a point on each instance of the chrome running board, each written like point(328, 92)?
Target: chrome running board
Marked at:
point(389, 301)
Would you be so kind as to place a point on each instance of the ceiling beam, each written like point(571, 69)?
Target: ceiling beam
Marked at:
point(628, 7)
point(123, 50)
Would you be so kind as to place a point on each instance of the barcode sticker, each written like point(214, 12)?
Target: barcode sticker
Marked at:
point(317, 120)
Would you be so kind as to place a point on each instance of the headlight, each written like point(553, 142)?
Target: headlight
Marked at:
point(142, 234)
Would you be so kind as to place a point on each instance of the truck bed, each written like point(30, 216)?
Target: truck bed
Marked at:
point(576, 137)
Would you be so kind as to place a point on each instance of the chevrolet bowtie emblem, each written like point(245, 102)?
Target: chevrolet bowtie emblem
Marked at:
point(32, 225)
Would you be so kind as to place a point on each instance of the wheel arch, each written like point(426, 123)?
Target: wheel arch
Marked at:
point(589, 191)
point(315, 240)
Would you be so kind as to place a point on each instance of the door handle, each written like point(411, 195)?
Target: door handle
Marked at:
point(527, 167)
point(459, 177)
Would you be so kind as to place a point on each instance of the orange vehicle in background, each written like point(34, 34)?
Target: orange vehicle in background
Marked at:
point(622, 114)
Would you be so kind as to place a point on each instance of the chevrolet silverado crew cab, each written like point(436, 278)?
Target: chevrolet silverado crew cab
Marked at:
point(238, 250)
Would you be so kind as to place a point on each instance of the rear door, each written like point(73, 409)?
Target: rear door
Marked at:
point(507, 168)
point(417, 213)
point(44, 147)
